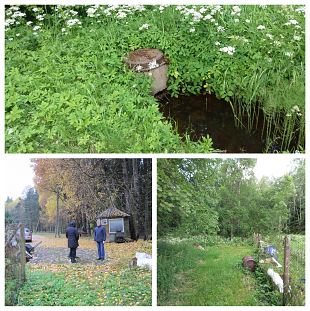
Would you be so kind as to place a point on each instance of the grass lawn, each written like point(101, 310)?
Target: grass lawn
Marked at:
point(53, 281)
point(210, 277)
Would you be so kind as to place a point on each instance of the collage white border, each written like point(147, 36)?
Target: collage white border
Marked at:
point(3, 156)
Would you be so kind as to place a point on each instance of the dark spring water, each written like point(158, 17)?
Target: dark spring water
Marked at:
point(191, 114)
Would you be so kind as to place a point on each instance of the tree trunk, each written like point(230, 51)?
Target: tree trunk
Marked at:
point(57, 233)
point(129, 210)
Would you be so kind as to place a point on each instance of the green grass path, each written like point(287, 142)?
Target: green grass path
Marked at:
point(209, 277)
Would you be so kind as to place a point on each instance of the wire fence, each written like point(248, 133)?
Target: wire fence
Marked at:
point(285, 255)
point(15, 262)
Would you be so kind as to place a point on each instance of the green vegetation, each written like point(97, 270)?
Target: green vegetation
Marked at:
point(209, 277)
point(56, 289)
point(208, 210)
point(68, 89)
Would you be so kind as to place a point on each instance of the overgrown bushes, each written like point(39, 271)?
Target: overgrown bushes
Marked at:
point(68, 90)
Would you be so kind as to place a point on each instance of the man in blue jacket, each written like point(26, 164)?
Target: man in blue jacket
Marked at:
point(100, 237)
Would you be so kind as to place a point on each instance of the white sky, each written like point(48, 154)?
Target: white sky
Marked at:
point(272, 166)
point(18, 173)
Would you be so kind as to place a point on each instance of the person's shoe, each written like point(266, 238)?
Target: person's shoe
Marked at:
point(98, 258)
point(73, 261)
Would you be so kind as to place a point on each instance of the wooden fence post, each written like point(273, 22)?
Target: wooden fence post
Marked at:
point(286, 273)
point(22, 254)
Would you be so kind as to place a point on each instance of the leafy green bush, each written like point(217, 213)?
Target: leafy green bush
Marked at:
point(68, 90)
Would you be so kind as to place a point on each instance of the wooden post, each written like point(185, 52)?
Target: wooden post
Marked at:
point(286, 274)
point(22, 254)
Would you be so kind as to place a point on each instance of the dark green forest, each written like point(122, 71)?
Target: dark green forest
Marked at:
point(223, 196)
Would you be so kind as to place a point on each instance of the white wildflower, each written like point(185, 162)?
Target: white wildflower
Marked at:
point(236, 20)
point(144, 26)
point(11, 39)
point(73, 13)
point(207, 17)
point(40, 17)
point(261, 27)
point(18, 14)
point(236, 10)
point(220, 29)
point(297, 38)
point(230, 50)
point(192, 29)
point(289, 54)
point(35, 28)
point(18, 34)
point(91, 12)
point(270, 36)
point(29, 23)
point(72, 22)
point(217, 43)
point(247, 21)
point(121, 15)
point(293, 22)
point(35, 9)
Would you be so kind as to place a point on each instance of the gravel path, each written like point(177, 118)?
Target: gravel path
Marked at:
point(50, 253)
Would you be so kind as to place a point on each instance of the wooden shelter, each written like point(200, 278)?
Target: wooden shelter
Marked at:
point(116, 223)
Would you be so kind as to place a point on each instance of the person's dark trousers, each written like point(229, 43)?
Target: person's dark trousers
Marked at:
point(72, 254)
point(100, 248)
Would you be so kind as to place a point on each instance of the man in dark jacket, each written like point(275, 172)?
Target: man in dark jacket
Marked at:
point(72, 235)
point(100, 237)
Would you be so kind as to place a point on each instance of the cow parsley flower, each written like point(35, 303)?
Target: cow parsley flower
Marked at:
point(29, 23)
point(139, 68)
point(207, 17)
point(121, 15)
point(297, 38)
point(270, 36)
point(230, 50)
point(236, 10)
point(192, 29)
point(91, 12)
point(289, 54)
point(220, 29)
point(144, 26)
point(261, 27)
point(72, 22)
point(35, 28)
